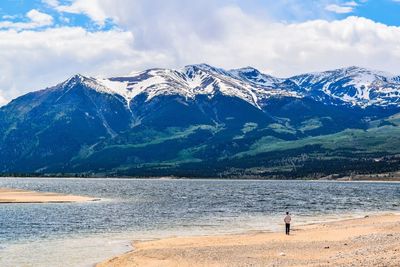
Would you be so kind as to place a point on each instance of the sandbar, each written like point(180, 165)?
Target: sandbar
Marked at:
point(369, 241)
point(8, 195)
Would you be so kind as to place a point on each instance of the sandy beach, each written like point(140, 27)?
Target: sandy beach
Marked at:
point(8, 195)
point(369, 241)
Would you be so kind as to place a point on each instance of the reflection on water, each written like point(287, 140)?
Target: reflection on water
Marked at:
point(141, 209)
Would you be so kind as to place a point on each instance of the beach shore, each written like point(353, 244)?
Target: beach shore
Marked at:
point(369, 241)
point(8, 195)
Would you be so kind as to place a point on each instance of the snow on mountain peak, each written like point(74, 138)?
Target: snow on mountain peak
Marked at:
point(77, 78)
point(253, 75)
point(203, 67)
point(352, 85)
point(189, 82)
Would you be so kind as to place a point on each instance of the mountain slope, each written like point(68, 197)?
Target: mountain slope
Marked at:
point(50, 126)
point(206, 121)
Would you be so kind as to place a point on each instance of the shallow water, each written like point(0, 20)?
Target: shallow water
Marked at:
point(80, 234)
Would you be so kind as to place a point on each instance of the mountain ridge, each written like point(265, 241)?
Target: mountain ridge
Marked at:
point(202, 121)
point(352, 85)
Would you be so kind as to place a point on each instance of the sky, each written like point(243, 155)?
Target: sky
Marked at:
point(43, 42)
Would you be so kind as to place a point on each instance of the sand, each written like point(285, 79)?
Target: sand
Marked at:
point(8, 195)
point(370, 241)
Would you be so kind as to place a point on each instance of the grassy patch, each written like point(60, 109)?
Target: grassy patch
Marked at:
point(310, 124)
point(383, 139)
point(282, 128)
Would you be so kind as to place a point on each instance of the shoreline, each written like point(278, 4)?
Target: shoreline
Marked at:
point(358, 178)
point(341, 180)
point(367, 241)
point(18, 196)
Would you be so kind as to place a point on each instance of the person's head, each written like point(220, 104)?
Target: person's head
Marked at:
point(287, 213)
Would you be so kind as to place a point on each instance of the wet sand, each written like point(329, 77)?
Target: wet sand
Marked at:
point(8, 195)
point(370, 241)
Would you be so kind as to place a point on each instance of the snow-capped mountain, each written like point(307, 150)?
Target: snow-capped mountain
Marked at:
point(202, 120)
point(352, 86)
point(192, 81)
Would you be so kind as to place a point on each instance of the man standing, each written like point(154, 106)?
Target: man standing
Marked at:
point(287, 222)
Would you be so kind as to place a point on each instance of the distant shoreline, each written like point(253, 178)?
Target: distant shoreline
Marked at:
point(384, 177)
point(361, 178)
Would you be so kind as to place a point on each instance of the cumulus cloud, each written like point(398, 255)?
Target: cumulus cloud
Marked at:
point(90, 8)
point(36, 19)
point(41, 19)
point(227, 36)
point(32, 60)
point(159, 34)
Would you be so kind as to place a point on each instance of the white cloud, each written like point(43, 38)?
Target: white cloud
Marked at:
point(52, 3)
point(343, 8)
point(339, 9)
point(227, 36)
point(351, 3)
point(39, 18)
point(10, 16)
point(89, 8)
point(36, 19)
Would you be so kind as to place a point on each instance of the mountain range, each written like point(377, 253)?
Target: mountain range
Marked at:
point(202, 121)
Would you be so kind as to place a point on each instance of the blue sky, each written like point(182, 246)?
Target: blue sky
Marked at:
point(383, 11)
point(15, 10)
point(43, 42)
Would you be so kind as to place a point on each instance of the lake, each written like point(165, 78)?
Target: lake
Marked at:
point(80, 234)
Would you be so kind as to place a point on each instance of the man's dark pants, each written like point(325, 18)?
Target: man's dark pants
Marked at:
point(287, 228)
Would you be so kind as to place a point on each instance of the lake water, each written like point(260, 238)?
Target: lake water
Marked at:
point(80, 234)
